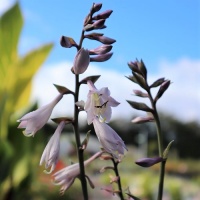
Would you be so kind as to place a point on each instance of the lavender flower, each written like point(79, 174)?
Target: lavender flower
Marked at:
point(35, 120)
point(67, 175)
point(51, 151)
point(99, 103)
point(109, 139)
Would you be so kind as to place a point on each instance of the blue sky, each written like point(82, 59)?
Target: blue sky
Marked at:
point(151, 30)
point(165, 34)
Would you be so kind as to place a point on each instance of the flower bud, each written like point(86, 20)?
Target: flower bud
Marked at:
point(67, 42)
point(104, 15)
point(96, 25)
point(162, 89)
point(139, 93)
point(140, 120)
point(101, 58)
point(100, 50)
point(148, 162)
point(96, 7)
point(81, 61)
point(99, 37)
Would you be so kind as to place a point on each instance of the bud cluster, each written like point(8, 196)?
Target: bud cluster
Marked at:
point(139, 76)
point(101, 53)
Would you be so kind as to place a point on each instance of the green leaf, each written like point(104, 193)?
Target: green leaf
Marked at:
point(11, 23)
point(26, 69)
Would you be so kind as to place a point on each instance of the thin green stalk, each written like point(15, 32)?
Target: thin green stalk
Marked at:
point(119, 180)
point(78, 142)
point(160, 147)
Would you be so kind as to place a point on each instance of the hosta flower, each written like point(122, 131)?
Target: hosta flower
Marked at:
point(51, 151)
point(35, 120)
point(99, 103)
point(109, 139)
point(67, 175)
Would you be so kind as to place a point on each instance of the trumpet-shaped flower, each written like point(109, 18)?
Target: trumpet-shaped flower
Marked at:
point(67, 175)
point(51, 151)
point(109, 139)
point(99, 103)
point(35, 120)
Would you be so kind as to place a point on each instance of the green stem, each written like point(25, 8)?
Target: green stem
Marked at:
point(160, 147)
point(78, 141)
point(119, 180)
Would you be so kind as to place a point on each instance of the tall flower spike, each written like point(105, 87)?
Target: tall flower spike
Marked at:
point(51, 151)
point(99, 103)
point(67, 175)
point(109, 139)
point(35, 120)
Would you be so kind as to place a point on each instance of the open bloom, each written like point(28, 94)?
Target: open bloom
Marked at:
point(67, 175)
point(35, 120)
point(99, 103)
point(109, 139)
point(51, 151)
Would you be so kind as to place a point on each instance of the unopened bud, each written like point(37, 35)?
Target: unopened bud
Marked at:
point(96, 7)
point(104, 15)
point(139, 93)
point(162, 89)
point(99, 24)
point(100, 50)
point(99, 37)
point(101, 58)
point(148, 162)
point(67, 42)
point(134, 66)
point(140, 120)
point(81, 61)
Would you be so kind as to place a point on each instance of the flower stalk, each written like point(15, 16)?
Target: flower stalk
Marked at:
point(78, 141)
point(115, 163)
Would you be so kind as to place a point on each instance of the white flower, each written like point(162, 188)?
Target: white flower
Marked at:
point(35, 120)
point(99, 103)
point(67, 175)
point(51, 151)
point(109, 139)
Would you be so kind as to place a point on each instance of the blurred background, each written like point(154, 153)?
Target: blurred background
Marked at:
point(165, 35)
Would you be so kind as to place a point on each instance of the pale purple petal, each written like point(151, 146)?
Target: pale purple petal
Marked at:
point(35, 120)
point(109, 139)
point(112, 102)
point(51, 151)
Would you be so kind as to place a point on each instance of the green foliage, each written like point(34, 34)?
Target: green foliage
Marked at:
point(16, 75)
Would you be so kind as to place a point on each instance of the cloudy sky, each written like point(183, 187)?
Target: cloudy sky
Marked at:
point(166, 35)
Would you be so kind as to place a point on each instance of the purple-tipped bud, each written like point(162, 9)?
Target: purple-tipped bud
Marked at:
point(81, 61)
point(104, 15)
point(139, 93)
point(96, 7)
point(140, 120)
point(157, 82)
point(100, 38)
point(148, 162)
point(100, 50)
point(162, 89)
point(101, 58)
point(99, 24)
point(67, 42)
point(134, 66)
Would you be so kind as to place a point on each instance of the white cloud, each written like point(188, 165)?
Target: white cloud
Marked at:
point(181, 100)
